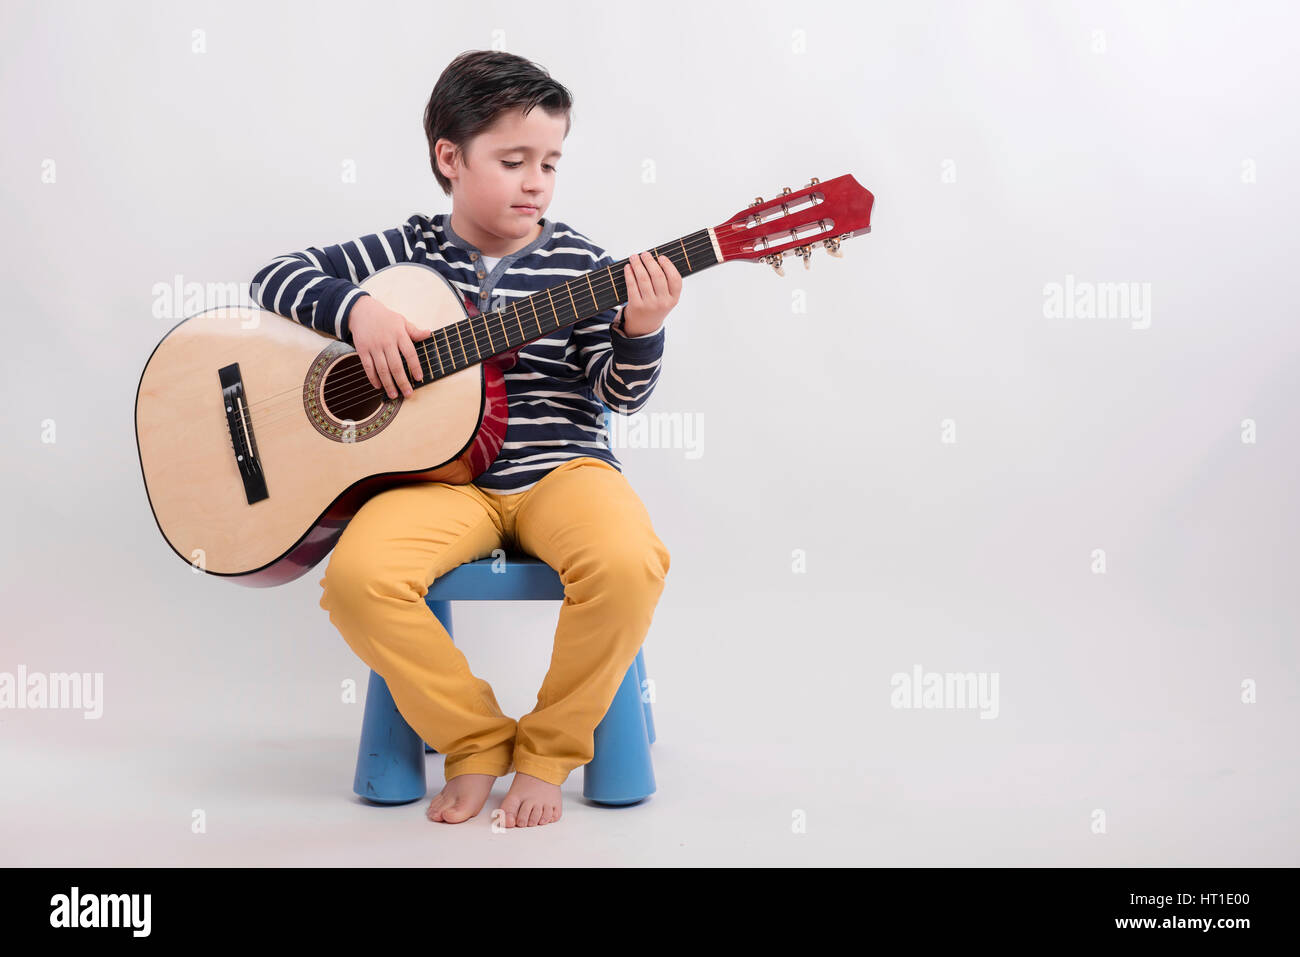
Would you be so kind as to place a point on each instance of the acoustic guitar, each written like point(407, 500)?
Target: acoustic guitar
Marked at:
point(260, 438)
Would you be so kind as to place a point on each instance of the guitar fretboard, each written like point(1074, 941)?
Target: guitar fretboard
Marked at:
point(474, 339)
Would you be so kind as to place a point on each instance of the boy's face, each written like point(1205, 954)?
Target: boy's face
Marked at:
point(513, 164)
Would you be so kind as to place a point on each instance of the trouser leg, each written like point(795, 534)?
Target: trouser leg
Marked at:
point(397, 544)
point(585, 521)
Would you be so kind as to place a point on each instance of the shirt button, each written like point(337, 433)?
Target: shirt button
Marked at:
point(480, 274)
point(473, 256)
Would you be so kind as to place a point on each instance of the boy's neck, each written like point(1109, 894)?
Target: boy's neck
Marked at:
point(489, 244)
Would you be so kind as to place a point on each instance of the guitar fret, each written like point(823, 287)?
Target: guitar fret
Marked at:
point(515, 307)
point(422, 354)
point(451, 347)
point(552, 302)
point(573, 304)
point(453, 352)
point(473, 331)
point(501, 321)
point(437, 353)
point(446, 344)
point(461, 340)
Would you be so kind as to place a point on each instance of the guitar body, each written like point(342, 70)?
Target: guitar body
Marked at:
point(260, 438)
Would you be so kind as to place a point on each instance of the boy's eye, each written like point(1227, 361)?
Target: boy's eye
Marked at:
point(512, 164)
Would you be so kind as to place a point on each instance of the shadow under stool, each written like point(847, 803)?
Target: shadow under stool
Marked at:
point(390, 759)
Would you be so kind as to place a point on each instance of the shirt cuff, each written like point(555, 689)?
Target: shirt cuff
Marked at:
point(647, 347)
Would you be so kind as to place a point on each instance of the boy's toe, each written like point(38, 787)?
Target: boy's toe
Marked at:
point(510, 807)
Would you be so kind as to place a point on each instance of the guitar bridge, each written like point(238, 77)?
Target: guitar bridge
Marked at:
point(242, 443)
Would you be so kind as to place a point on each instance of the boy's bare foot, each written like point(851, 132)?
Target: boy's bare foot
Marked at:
point(530, 801)
point(461, 798)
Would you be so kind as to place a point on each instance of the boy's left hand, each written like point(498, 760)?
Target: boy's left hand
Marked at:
point(653, 287)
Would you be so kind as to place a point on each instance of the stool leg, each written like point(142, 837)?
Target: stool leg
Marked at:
point(442, 609)
point(621, 771)
point(390, 759)
point(644, 689)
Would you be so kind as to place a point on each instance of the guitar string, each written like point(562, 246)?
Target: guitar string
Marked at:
point(354, 384)
point(334, 398)
point(357, 376)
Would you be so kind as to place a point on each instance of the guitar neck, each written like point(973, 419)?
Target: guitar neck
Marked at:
point(478, 338)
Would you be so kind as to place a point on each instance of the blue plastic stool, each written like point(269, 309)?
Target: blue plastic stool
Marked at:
point(390, 760)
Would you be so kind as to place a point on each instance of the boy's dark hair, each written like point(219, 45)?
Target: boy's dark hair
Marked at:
point(476, 88)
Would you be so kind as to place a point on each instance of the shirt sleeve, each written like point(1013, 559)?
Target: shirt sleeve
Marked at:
point(318, 286)
point(621, 370)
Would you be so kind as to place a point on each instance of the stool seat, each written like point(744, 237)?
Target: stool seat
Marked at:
point(390, 759)
point(514, 576)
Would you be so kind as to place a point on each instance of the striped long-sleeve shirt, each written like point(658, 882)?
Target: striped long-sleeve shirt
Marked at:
point(560, 383)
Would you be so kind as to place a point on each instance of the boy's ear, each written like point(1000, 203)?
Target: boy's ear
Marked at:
point(446, 152)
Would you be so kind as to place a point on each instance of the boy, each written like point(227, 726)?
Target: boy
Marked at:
point(495, 125)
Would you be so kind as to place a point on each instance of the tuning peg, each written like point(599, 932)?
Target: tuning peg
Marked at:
point(805, 252)
point(757, 200)
point(785, 190)
point(774, 260)
point(813, 182)
point(833, 247)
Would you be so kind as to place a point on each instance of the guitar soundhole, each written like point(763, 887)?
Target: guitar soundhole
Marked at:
point(339, 400)
point(348, 394)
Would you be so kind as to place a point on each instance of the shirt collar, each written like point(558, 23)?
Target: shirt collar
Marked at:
point(548, 227)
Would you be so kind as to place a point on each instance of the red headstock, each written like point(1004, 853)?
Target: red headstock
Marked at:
point(819, 213)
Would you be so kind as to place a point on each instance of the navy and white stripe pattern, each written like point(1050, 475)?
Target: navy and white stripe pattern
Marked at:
point(561, 382)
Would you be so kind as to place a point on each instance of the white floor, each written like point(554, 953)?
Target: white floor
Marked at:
point(764, 755)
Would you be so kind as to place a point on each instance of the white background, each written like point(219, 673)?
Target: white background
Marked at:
point(1009, 145)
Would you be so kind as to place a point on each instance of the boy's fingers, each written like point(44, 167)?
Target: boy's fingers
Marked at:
point(633, 284)
point(394, 356)
point(658, 281)
point(368, 364)
point(642, 274)
point(385, 379)
point(412, 359)
point(671, 274)
point(668, 270)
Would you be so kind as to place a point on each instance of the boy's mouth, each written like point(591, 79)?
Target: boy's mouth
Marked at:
point(525, 209)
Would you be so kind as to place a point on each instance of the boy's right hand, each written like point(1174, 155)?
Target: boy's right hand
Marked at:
point(382, 338)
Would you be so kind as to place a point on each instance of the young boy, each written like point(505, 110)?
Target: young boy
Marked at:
point(495, 125)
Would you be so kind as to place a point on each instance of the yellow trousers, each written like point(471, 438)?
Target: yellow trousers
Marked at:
point(585, 521)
